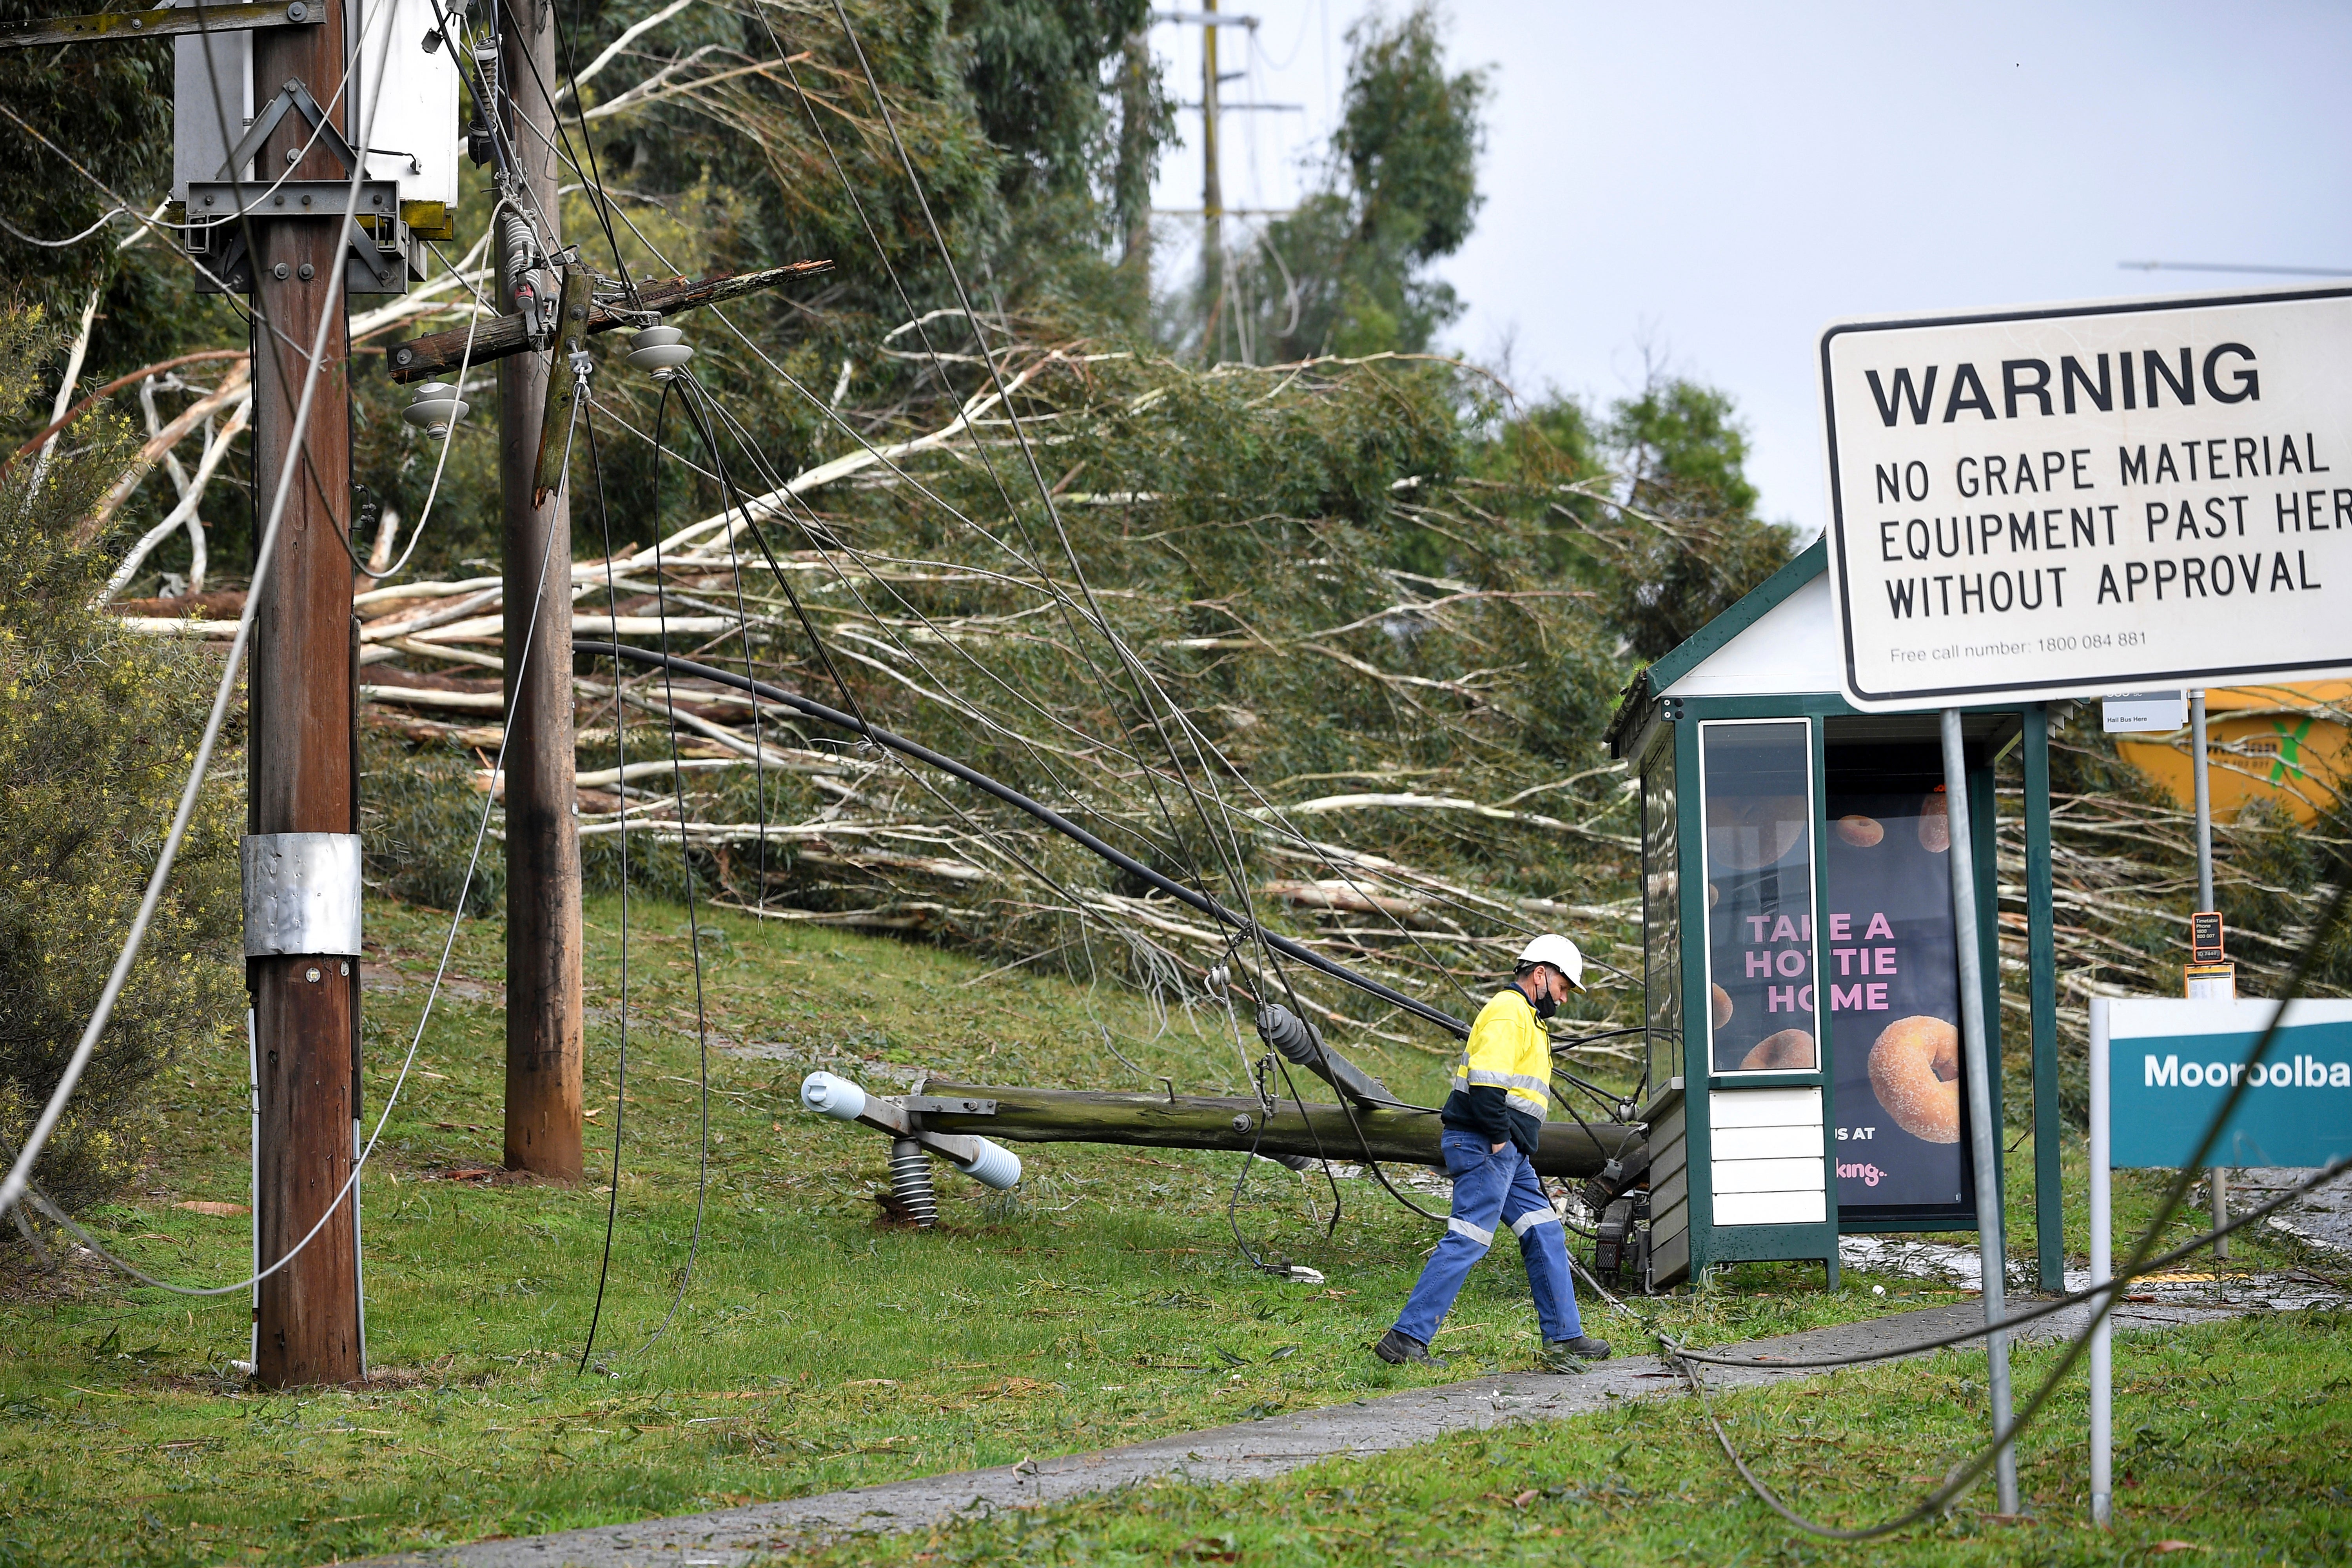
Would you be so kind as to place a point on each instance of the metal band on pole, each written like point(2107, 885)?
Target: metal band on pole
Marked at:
point(1984, 1148)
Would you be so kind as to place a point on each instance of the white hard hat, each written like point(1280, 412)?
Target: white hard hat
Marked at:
point(1559, 952)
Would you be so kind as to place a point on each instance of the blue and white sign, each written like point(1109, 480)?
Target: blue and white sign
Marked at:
point(2159, 1071)
point(2171, 1063)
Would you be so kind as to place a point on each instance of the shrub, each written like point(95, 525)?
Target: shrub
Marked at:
point(98, 728)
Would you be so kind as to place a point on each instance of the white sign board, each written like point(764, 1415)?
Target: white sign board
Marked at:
point(2091, 498)
point(2143, 712)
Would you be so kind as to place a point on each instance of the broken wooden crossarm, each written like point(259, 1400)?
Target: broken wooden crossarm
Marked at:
point(437, 353)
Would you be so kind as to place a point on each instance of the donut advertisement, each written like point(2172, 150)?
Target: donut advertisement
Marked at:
point(1760, 896)
point(1891, 975)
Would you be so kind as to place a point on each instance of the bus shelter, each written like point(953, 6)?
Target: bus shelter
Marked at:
point(1802, 1061)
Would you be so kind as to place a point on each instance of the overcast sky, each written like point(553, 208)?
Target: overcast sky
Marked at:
point(1711, 184)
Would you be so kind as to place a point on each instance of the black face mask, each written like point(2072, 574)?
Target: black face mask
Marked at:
point(1543, 1005)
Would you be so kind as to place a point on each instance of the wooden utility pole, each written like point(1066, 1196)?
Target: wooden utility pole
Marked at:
point(1133, 180)
point(301, 768)
point(543, 1000)
point(1212, 189)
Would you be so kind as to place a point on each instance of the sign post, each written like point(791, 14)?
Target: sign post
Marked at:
point(1984, 1149)
point(2160, 1070)
point(2103, 1270)
point(2202, 979)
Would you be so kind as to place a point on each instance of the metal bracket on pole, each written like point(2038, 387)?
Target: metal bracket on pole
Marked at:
point(301, 893)
point(1984, 1148)
point(293, 97)
point(376, 247)
point(131, 26)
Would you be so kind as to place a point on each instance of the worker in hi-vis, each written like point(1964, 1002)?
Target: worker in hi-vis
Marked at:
point(1502, 1089)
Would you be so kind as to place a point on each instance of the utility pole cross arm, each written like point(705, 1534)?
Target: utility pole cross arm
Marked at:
point(436, 353)
point(127, 27)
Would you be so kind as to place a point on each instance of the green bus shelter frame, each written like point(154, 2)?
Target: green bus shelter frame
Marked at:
point(1650, 714)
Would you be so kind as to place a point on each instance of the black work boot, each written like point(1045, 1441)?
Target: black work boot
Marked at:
point(1569, 1355)
point(1397, 1348)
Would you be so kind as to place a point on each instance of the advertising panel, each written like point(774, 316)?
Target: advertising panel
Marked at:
point(1890, 967)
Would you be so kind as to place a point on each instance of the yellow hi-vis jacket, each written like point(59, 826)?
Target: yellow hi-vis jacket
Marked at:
point(1508, 1050)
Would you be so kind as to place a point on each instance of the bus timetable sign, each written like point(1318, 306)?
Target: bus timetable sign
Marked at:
point(2091, 498)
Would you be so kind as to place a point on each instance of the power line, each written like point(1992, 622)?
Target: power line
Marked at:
point(2234, 267)
point(693, 921)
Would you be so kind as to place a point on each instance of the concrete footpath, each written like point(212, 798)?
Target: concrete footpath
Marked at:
point(1249, 1451)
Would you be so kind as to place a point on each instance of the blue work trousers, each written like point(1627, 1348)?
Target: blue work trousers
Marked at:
point(1493, 1188)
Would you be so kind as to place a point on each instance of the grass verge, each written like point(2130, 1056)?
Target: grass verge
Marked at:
point(2233, 1447)
point(811, 1349)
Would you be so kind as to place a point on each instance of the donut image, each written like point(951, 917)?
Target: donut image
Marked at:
point(1722, 1000)
point(1750, 835)
point(1714, 895)
point(1914, 1072)
point(1791, 1048)
point(1862, 832)
point(1934, 824)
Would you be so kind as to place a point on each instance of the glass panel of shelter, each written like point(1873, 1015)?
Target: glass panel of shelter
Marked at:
point(1756, 779)
point(1662, 966)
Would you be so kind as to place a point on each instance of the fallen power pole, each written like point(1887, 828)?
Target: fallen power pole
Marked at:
point(1306, 1129)
point(544, 1047)
point(959, 1124)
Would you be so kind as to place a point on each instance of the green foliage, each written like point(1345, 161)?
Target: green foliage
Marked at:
point(1411, 137)
point(1347, 273)
point(1683, 538)
point(96, 732)
point(110, 106)
point(419, 815)
point(1683, 449)
point(1650, 506)
point(1036, 80)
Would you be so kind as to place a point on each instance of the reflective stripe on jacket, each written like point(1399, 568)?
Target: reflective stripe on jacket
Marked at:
point(1508, 1049)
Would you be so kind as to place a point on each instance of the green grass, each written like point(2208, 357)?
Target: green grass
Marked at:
point(2234, 1439)
point(814, 1349)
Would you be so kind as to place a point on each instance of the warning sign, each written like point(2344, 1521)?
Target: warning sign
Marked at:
point(2091, 498)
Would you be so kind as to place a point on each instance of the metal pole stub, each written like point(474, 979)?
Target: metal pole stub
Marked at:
point(301, 893)
point(2103, 1381)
